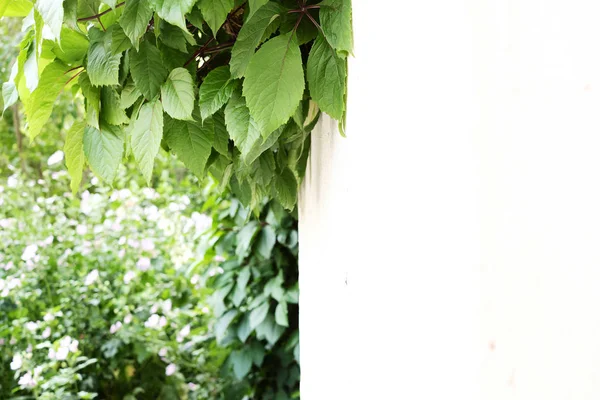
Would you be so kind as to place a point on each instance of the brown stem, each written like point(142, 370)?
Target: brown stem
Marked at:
point(91, 17)
point(73, 77)
point(73, 69)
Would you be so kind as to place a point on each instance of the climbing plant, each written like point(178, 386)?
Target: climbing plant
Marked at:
point(231, 87)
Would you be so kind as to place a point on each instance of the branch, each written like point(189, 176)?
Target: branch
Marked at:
point(91, 17)
point(199, 51)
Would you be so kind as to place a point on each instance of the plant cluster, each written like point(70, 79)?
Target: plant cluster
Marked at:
point(232, 87)
point(120, 293)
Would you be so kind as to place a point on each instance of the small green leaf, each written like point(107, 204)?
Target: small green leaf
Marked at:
point(215, 91)
point(178, 94)
point(104, 150)
point(52, 13)
point(134, 20)
point(129, 94)
point(245, 238)
point(215, 12)
point(146, 135)
point(243, 329)
point(326, 74)
point(173, 11)
point(265, 242)
point(74, 157)
point(258, 315)
point(250, 36)
point(191, 141)
point(223, 323)
point(281, 314)
point(38, 107)
point(102, 64)
point(242, 362)
point(221, 143)
point(269, 330)
point(274, 83)
point(336, 22)
point(147, 69)
point(243, 130)
point(111, 108)
point(286, 189)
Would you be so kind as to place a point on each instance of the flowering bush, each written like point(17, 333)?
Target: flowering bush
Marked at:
point(104, 295)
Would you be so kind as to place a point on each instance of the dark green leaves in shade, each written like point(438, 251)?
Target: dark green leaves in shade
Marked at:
point(147, 69)
point(274, 83)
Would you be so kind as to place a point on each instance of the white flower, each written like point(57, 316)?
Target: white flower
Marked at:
point(62, 353)
point(9, 266)
point(49, 317)
point(195, 279)
point(91, 277)
point(171, 369)
point(115, 327)
point(149, 193)
point(218, 258)
point(205, 310)
point(81, 230)
point(128, 318)
point(167, 306)
point(162, 322)
point(46, 333)
point(128, 277)
point(122, 240)
point(155, 321)
point(27, 381)
point(185, 331)
point(201, 221)
point(1, 341)
point(192, 386)
point(55, 158)
point(31, 326)
point(12, 182)
point(51, 354)
point(29, 252)
point(73, 346)
point(94, 181)
point(163, 352)
point(154, 309)
point(17, 362)
point(147, 245)
point(143, 264)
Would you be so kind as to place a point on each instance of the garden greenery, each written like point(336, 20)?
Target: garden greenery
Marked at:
point(232, 87)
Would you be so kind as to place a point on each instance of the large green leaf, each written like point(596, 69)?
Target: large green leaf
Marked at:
point(250, 36)
point(274, 83)
point(281, 314)
point(74, 157)
point(129, 94)
point(111, 111)
point(326, 74)
point(147, 69)
point(39, 106)
point(215, 12)
point(242, 362)
point(191, 141)
point(52, 13)
point(336, 22)
point(103, 150)
point(221, 143)
point(173, 11)
point(135, 18)
point(102, 64)
point(73, 46)
point(146, 135)
point(258, 315)
point(15, 8)
point(120, 41)
point(177, 94)
point(255, 5)
point(215, 91)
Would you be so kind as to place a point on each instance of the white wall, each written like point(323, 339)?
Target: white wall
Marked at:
point(450, 246)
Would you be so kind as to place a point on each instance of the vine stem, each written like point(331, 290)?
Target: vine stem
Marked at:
point(91, 17)
point(73, 69)
point(73, 77)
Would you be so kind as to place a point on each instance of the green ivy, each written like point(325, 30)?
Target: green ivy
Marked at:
point(232, 87)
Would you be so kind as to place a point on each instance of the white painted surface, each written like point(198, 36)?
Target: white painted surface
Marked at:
point(450, 246)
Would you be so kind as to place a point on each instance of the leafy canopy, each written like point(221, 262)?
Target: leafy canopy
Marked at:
point(232, 87)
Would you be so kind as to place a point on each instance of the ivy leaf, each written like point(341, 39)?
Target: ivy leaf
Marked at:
point(281, 314)
point(326, 74)
point(134, 20)
point(173, 11)
point(286, 189)
point(191, 141)
point(102, 64)
point(39, 106)
point(52, 13)
point(215, 91)
point(336, 22)
point(250, 36)
point(274, 83)
point(215, 12)
point(177, 94)
point(146, 134)
point(255, 5)
point(147, 69)
point(104, 150)
point(120, 41)
point(74, 156)
point(242, 362)
point(258, 315)
point(111, 107)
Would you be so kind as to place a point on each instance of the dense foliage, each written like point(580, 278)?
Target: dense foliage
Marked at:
point(186, 75)
point(143, 293)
